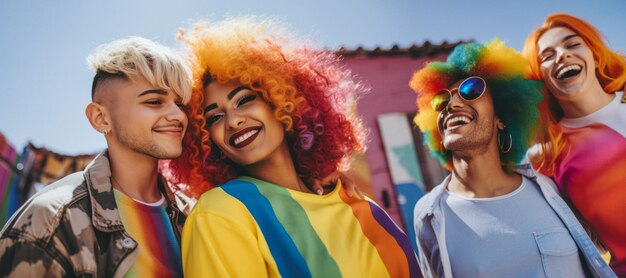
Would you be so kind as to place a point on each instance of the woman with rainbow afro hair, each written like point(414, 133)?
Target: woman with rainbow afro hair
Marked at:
point(479, 116)
point(269, 115)
point(584, 148)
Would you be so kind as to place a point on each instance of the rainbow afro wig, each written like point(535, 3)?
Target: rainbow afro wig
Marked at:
point(310, 92)
point(515, 98)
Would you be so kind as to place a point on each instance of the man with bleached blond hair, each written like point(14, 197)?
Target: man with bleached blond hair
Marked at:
point(115, 218)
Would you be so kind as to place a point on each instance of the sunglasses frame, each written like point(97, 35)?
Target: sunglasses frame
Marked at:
point(433, 106)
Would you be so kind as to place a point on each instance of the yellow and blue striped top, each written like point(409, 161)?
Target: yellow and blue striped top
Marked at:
point(252, 228)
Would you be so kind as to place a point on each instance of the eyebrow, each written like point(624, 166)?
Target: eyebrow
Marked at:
point(235, 91)
point(570, 36)
point(210, 107)
point(230, 96)
point(153, 91)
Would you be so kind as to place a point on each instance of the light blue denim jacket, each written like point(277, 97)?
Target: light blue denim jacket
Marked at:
point(429, 219)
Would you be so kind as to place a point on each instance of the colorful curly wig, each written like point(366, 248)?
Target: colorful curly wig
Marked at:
point(515, 98)
point(311, 94)
point(610, 71)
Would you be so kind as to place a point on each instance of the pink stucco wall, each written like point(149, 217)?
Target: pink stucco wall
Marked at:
point(388, 78)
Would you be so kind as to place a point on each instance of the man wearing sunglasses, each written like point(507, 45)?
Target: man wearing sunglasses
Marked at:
point(488, 218)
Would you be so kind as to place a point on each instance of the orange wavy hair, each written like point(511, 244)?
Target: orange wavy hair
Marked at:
point(310, 93)
point(610, 71)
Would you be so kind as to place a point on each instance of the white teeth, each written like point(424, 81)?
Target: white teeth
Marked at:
point(562, 71)
point(245, 136)
point(455, 119)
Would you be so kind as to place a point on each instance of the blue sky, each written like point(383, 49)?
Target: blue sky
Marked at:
point(45, 83)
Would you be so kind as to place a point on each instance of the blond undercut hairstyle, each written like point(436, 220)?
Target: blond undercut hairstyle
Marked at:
point(135, 56)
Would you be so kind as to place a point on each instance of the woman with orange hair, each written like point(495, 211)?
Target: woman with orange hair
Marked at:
point(584, 148)
point(268, 116)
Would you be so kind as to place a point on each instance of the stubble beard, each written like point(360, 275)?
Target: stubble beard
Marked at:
point(146, 147)
point(468, 145)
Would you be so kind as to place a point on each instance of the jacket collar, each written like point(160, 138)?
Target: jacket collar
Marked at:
point(525, 170)
point(104, 213)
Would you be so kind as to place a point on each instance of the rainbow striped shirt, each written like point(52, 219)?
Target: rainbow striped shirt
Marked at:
point(151, 228)
point(251, 228)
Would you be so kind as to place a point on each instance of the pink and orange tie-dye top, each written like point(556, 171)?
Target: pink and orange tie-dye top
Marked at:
point(593, 174)
point(149, 225)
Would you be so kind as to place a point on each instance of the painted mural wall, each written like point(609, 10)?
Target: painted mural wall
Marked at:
point(387, 111)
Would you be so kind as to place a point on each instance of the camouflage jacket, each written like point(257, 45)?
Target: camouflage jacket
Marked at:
point(72, 228)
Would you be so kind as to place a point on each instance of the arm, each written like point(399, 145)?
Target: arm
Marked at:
point(331, 180)
point(20, 258)
point(215, 245)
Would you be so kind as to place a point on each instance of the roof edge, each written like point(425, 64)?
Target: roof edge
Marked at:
point(426, 49)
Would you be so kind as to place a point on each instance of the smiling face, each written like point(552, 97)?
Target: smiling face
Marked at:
point(145, 119)
point(241, 124)
point(467, 125)
point(567, 64)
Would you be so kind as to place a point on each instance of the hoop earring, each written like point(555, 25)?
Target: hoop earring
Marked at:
point(502, 146)
point(104, 132)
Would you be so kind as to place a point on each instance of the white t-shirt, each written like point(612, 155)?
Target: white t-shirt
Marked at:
point(513, 235)
point(612, 115)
